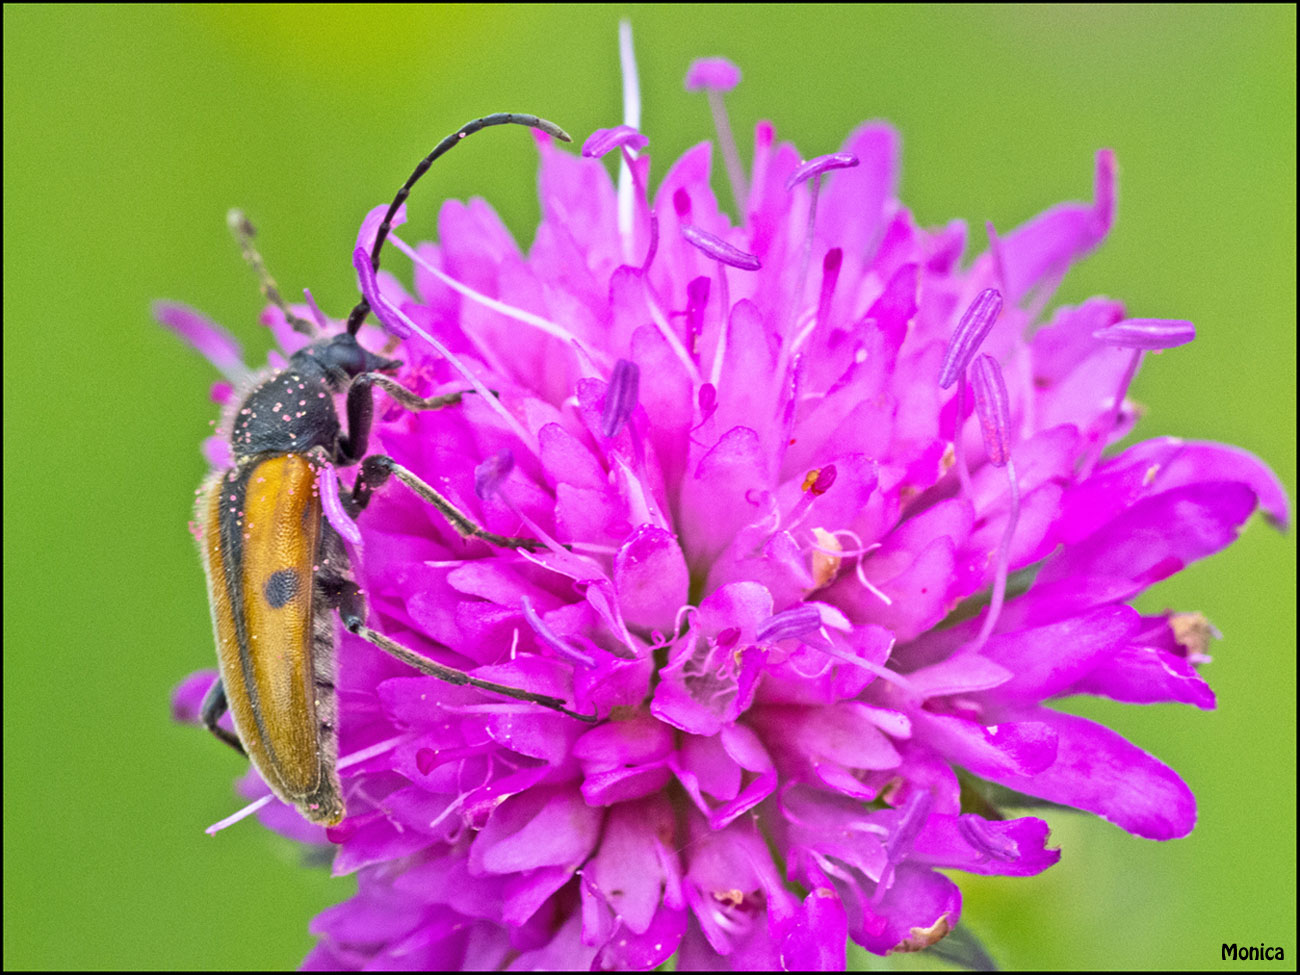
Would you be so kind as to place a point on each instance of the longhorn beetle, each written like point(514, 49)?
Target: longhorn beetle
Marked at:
point(276, 569)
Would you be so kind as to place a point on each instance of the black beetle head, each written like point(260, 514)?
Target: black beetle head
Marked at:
point(341, 357)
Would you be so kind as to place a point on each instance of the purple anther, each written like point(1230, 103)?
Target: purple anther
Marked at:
point(620, 397)
point(712, 74)
point(551, 638)
point(327, 484)
point(913, 814)
point(971, 330)
point(490, 473)
point(720, 250)
point(992, 408)
point(619, 137)
point(987, 839)
point(385, 312)
point(1147, 333)
point(820, 164)
point(373, 220)
point(790, 623)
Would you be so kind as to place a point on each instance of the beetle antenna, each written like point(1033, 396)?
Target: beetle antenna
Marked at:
point(469, 128)
point(244, 232)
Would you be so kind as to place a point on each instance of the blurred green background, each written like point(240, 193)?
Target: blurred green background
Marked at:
point(129, 132)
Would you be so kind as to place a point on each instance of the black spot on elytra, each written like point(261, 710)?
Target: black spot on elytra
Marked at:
point(281, 587)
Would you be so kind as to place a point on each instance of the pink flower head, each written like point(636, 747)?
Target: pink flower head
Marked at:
point(774, 561)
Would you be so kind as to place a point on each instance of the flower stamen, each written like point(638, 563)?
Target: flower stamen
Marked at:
point(718, 249)
point(974, 326)
point(790, 623)
point(992, 407)
point(490, 473)
point(1142, 335)
point(716, 76)
point(627, 140)
point(813, 169)
point(724, 254)
point(620, 398)
point(971, 330)
point(549, 637)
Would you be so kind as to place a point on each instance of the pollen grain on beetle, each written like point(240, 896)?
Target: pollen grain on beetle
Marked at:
point(815, 494)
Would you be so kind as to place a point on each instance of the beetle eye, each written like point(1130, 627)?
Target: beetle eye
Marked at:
point(342, 353)
point(354, 360)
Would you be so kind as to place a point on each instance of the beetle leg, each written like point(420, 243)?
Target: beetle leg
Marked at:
point(343, 594)
point(375, 471)
point(408, 399)
point(361, 408)
point(210, 712)
point(453, 676)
